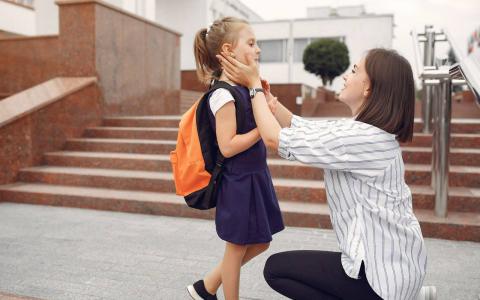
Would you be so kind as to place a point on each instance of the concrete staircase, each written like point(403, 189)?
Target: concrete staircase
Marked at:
point(124, 166)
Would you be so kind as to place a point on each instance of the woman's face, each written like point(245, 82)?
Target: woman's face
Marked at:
point(246, 46)
point(356, 87)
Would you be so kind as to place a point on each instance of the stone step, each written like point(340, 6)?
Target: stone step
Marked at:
point(411, 155)
point(154, 133)
point(142, 121)
point(414, 174)
point(121, 145)
point(457, 140)
point(109, 160)
point(458, 156)
point(309, 191)
point(423, 156)
point(457, 125)
point(457, 226)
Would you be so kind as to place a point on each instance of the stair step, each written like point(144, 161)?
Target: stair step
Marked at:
point(457, 140)
point(142, 121)
point(457, 125)
point(457, 226)
point(457, 156)
point(411, 155)
point(309, 191)
point(109, 160)
point(121, 145)
point(159, 133)
point(108, 178)
point(415, 174)
point(423, 156)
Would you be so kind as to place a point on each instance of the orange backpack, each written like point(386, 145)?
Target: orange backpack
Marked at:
point(197, 162)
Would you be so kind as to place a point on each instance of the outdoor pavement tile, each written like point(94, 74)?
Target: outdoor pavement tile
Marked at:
point(97, 254)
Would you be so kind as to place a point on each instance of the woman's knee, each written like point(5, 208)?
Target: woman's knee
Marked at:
point(273, 266)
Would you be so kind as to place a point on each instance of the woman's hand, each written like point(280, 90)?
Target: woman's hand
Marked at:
point(273, 104)
point(271, 100)
point(246, 75)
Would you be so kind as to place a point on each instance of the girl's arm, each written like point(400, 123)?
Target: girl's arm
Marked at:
point(229, 142)
point(247, 75)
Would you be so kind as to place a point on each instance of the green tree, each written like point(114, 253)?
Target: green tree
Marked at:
point(326, 58)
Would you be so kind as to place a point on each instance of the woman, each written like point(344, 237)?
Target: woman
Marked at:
point(382, 249)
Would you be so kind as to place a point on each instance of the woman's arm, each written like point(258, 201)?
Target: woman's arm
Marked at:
point(229, 142)
point(283, 115)
point(266, 123)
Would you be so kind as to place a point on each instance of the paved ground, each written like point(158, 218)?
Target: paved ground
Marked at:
point(68, 253)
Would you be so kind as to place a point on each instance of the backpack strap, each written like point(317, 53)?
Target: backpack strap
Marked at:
point(212, 155)
point(239, 107)
point(239, 113)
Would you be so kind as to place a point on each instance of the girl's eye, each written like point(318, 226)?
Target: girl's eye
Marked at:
point(353, 71)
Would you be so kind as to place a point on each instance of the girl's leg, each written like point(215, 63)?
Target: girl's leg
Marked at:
point(303, 274)
point(213, 280)
point(231, 263)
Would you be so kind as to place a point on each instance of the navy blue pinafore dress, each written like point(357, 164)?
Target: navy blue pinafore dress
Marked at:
point(247, 208)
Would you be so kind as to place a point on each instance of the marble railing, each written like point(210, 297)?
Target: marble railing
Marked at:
point(42, 118)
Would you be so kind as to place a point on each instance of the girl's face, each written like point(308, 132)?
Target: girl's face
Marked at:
point(356, 87)
point(246, 46)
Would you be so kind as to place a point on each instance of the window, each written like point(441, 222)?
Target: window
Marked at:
point(273, 51)
point(299, 46)
point(28, 3)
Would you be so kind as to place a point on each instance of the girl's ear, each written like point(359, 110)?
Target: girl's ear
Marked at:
point(227, 48)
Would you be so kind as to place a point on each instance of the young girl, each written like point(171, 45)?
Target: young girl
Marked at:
point(382, 249)
point(247, 212)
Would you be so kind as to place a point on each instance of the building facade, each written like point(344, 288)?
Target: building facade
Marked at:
point(283, 41)
point(40, 17)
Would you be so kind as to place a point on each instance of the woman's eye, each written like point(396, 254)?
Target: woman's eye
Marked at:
point(353, 71)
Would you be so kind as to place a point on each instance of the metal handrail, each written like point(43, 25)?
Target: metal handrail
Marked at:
point(437, 83)
point(461, 70)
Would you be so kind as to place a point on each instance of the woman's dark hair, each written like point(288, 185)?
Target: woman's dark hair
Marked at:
point(391, 102)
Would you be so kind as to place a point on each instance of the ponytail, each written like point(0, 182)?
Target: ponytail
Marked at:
point(203, 60)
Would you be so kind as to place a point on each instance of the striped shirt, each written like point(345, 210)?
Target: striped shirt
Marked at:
point(370, 203)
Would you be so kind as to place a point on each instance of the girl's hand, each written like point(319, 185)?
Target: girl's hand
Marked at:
point(246, 75)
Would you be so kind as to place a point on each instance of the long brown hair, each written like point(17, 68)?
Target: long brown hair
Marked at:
point(391, 102)
point(208, 43)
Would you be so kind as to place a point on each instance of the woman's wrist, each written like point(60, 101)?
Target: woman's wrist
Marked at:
point(256, 83)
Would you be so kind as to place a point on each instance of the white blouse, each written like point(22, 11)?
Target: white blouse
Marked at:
point(219, 98)
point(369, 201)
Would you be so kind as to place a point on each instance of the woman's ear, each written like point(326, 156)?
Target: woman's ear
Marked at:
point(366, 89)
